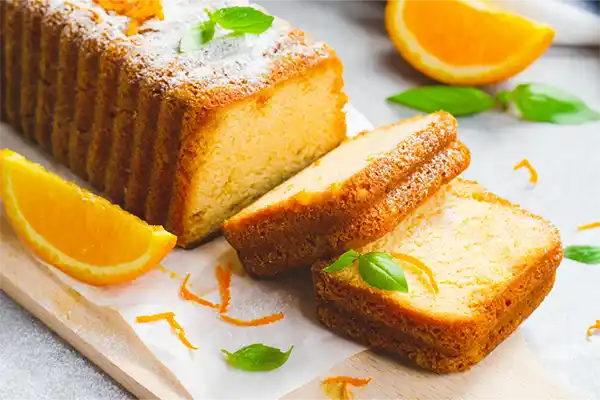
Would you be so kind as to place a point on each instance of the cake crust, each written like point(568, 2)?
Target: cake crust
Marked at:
point(381, 337)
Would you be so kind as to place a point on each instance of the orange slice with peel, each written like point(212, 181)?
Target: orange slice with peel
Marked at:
point(80, 233)
point(464, 42)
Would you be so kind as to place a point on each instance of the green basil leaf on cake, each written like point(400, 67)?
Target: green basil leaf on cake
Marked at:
point(257, 357)
point(456, 100)
point(243, 19)
point(583, 254)
point(381, 271)
point(343, 261)
point(197, 37)
point(545, 103)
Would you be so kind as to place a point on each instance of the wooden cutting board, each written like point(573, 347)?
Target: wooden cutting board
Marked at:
point(511, 371)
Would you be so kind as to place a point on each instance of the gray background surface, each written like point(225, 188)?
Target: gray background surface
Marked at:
point(35, 363)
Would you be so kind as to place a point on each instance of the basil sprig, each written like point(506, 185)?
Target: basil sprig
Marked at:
point(257, 357)
point(456, 100)
point(239, 20)
point(545, 103)
point(583, 254)
point(378, 269)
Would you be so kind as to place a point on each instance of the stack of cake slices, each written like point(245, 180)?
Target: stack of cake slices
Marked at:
point(475, 265)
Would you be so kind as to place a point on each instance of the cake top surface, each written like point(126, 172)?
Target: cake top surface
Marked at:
point(346, 160)
point(474, 243)
point(225, 61)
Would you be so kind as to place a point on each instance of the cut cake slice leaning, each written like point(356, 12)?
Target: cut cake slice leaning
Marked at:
point(493, 264)
point(353, 195)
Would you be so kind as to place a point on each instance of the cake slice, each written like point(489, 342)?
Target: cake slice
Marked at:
point(491, 262)
point(350, 197)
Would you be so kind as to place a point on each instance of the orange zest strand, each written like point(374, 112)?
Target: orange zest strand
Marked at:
point(187, 295)
point(346, 395)
point(155, 317)
point(533, 175)
point(589, 226)
point(170, 318)
point(138, 11)
point(269, 319)
point(180, 332)
point(420, 265)
point(224, 279)
point(591, 328)
point(347, 379)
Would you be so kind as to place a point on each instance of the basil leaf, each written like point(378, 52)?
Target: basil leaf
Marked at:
point(257, 357)
point(343, 261)
point(381, 271)
point(243, 19)
point(583, 254)
point(545, 103)
point(197, 36)
point(456, 100)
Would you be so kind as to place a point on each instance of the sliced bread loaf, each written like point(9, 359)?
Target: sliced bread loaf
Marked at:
point(352, 196)
point(491, 262)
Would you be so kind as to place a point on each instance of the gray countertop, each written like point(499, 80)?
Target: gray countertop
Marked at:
point(35, 363)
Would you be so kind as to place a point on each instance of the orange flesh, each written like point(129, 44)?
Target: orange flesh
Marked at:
point(533, 175)
point(465, 41)
point(187, 295)
point(170, 318)
point(107, 240)
point(269, 319)
point(589, 226)
point(417, 263)
point(595, 326)
point(224, 279)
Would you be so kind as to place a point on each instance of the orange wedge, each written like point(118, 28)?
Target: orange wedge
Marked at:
point(80, 233)
point(464, 42)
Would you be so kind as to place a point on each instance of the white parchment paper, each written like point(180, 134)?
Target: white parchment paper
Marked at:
point(204, 372)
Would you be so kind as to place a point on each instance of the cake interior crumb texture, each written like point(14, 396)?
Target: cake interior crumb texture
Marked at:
point(485, 254)
point(183, 140)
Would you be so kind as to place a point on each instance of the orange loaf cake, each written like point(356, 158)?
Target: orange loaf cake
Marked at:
point(182, 139)
point(353, 195)
point(491, 265)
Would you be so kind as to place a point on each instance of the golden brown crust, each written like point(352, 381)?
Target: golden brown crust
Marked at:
point(292, 249)
point(449, 331)
point(379, 336)
point(30, 67)
point(13, 32)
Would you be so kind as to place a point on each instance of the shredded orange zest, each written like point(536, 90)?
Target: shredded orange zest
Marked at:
point(139, 11)
point(346, 395)
point(347, 379)
point(153, 318)
point(224, 279)
point(489, 198)
point(269, 319)
point(420, 265)
point(533, 178)
point(187, 295)
point(591, 328)
point(170, 318)
point(589, 226)
point(180, 332)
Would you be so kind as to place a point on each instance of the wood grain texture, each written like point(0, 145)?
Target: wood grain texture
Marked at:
point(100, 334)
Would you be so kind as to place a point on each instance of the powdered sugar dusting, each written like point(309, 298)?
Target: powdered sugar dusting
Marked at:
point(225, 61)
